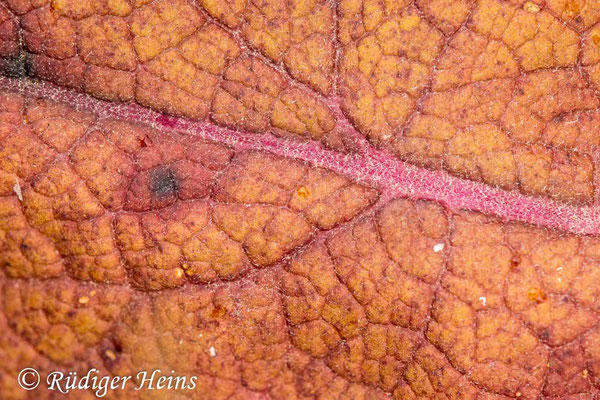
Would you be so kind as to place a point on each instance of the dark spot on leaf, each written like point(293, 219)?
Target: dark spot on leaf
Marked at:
point(117, 346)
point(163, 182)
point(544, 335)
point(16, 67)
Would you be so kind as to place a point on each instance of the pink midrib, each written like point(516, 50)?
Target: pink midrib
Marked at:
point(371, 166)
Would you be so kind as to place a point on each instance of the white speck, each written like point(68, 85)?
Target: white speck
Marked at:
point(438, 247)
point(559, 268)
point(212, 351)
point(17, 190)
point(482, 300)
point(199, 335)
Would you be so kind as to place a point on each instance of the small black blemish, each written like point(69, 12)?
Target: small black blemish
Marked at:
point(117, 346)
point(544, 335)
point(163, 182)
point(568, 353)
point(17, 67)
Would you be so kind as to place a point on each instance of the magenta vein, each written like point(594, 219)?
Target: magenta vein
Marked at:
point(374, 167)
